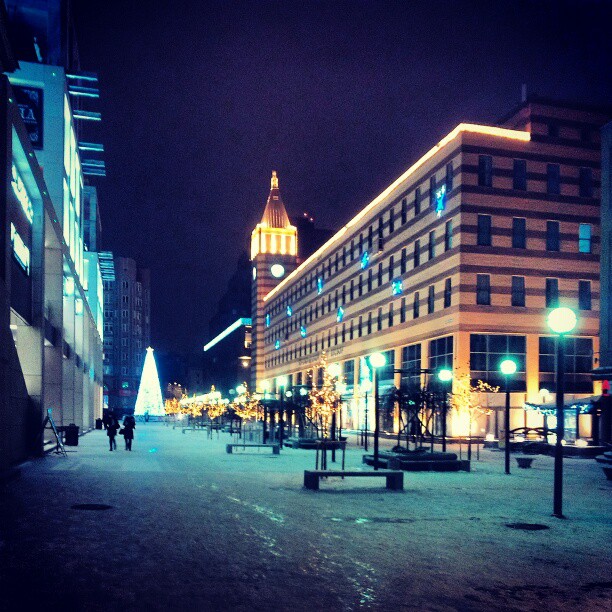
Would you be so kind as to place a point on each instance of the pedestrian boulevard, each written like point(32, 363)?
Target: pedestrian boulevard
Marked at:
point(190, 527)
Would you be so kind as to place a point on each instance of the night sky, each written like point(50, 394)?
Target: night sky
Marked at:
point(202, 100)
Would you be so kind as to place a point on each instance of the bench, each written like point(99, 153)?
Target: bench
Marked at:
point(275, 447)
point(524, 462)
point(395, 479)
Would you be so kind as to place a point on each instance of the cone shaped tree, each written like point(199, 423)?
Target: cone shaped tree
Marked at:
point(149, 393)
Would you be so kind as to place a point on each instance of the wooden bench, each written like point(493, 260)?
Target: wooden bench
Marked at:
point(275, 447)
point(395, 478)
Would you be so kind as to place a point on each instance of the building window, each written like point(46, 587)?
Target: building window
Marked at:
point(403, 262)
point(584, 238)
point(370, 279)
point(380, 234)
point(586, 183)
point(448, 289)
point(553, 179)
point(432, 245)
point(391, 268)
point(403, 311)
point(441, 353)
point(519, 175)
point(404, 212)
point(360, 286)
point(370, 237)
point(431, 299)
point(379, 322)
point(552, 235)
point(432, 191)
point(584, 295)
point(391, 314)
point(552, 292)
point(487, 351)
point(411, 366)
point(448, 236)
point(391, 222)
point(449, 177)
point(352, 290)
point(578, 364)
point(483, 289)
point(485, 170)
point(484, 230)
point(416, 306)
point(553, 129)
point(360, 328)
point(417, 201)
point(417, 253)
point(380, 274)
point(369, 323)
point(519, 233)
point(518, 291)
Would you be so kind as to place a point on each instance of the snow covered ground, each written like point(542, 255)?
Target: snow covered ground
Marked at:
point(193, 528)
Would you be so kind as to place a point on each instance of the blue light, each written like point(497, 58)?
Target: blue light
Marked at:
point(396, 286)
point(277, 345)
point(303, 331)
point(440, 200)
point(340, 314)
point(320, 285)
point(289, 311)
point(268, 320)
point(365, 260)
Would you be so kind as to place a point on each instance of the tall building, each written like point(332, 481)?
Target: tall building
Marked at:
point(127, 329)
point(455, 264)
point(274, 256)
point(51, 322)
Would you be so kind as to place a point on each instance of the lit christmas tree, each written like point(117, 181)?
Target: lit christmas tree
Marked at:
point(149, 398)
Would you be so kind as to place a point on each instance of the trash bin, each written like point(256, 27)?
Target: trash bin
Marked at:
point(71, 435)
point(98, 423)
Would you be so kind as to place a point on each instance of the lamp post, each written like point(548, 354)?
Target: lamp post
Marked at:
point(561, 321)
point(445, 375)
point(281, 382)
point(508, 368)
point(377, 360)
point(365, 386)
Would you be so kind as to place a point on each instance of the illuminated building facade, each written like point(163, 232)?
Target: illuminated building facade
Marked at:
point(455, 264)
point(127, 329)
point(51, 287)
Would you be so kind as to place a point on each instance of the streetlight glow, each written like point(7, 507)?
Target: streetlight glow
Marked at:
point(562, 320)
point(445, 375)
point(378, 360)
point(240, 389)
point(334, 370)
point(281, 381)
point(507, 367)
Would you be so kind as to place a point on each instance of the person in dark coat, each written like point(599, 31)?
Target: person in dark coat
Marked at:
point(129, 425)
point(111, 431)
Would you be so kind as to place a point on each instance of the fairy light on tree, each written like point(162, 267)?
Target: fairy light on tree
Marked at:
point(213, 404)
point(149, 400)
point(324, 399)
point(246, 405)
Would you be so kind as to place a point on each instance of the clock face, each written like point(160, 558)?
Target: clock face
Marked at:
point(277, 270)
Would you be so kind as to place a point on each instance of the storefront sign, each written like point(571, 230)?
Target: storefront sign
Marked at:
point(21, 194)
point(30, 103)
point(20, 250)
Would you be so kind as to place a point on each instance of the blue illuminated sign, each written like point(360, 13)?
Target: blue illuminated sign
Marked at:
point(340, 314)
point(396, 286)
point(289, 311)
point(303, 331)
point(320, 285)
point(277, 345)
point(440, 200)
point(268, 320)
point(365, 260)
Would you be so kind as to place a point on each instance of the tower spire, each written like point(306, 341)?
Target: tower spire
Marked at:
point(274, 180)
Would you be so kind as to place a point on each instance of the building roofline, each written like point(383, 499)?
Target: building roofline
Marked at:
point(566, 104)
point(462, 127)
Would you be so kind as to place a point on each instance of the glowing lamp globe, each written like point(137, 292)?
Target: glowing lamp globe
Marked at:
point(507, 367)
point(562, 320)
point(445, 375)
point(303, 391)
point(378, 360)
point(281, 381)
point(289, 394)
point(240, 389)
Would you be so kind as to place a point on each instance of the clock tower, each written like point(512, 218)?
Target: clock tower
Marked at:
point(274, 256)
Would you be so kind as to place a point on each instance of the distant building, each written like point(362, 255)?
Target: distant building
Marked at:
point(127, 329)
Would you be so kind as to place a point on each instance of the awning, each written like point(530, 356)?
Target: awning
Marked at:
point(586, 405)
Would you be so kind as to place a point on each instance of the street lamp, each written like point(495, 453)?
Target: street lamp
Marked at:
point(365, 387)
point(377, 360)
point(508, 368)
point(445, 375)
point(561, 321)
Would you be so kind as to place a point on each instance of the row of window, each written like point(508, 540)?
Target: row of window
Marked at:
point(486, 171)
point(519, 234)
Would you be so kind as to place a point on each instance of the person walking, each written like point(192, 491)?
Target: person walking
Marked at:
point(111, 431)
point(129, 425)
